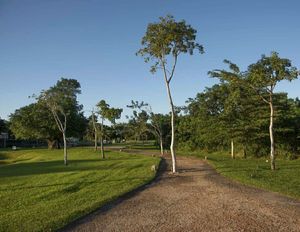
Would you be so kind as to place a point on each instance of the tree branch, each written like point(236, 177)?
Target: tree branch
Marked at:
point(57, 120)
point(264, 99)
point(164, 70)
point(173, 68)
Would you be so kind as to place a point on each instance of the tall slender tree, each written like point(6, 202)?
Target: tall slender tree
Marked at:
point(95, 127)
point(163, 42)
point(160, 126)
point(107, 113)
point(139, 118)
point(263, 77)
point(232, 100)
point(145, 120)
point(61, 100)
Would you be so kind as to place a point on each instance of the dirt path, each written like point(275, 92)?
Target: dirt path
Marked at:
point(198, 199)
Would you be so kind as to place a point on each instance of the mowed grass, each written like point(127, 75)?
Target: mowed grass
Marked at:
point(256, 172)
point(39, 193)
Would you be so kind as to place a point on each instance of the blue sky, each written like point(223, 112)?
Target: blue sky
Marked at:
point(95, 42)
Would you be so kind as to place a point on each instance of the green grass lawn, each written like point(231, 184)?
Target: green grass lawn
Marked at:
point(256, 172)
point(39, 193)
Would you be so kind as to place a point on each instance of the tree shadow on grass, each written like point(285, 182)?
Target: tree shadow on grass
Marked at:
point(288, 166)
point(116, 201)
point(5, 158)
point(260, 168)
point(57, 166)
point(74, 186)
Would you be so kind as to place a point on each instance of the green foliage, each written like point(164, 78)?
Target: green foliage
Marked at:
point(138, 122)
point(61, 100)
point(119, 132)
point(39, 193)
point(90, 129)
point(268, 71)
point(160, 125)
point(111, 114)
point(165, 40)
point(107, 112)
point(214, 117)
point(34, 121)
point(145, 121)
point(4, 127)
point(234, 110)
point(167, 37)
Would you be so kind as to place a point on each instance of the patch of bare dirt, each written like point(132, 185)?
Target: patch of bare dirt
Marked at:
point(197, 199)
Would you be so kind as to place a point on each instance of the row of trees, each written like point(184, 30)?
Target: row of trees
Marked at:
point(243, 109)
point(214, 120)
point(224, 115)
point(144, 121)
point(56, 115)
point(261, 78)
point(165, 40)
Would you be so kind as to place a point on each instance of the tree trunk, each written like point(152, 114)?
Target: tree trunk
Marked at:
point(272, 153)
point(95, 131)
point(173, 128)
point(161, 145)
point(65, 149)
point(51, 144)
point(232, 150)
point(57, 144)
point(101, 141)
point(244, 152)
point(96, 142)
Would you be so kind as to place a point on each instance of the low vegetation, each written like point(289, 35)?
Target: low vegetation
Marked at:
point(39, 193)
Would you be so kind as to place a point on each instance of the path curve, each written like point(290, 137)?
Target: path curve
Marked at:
point(197, 199)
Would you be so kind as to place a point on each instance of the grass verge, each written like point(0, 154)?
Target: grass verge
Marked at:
point(256, 172)
point(39, 193)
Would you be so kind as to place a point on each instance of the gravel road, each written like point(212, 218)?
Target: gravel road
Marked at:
point(196, 199)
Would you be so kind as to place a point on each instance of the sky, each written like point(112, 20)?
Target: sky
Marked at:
point(95, 42)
